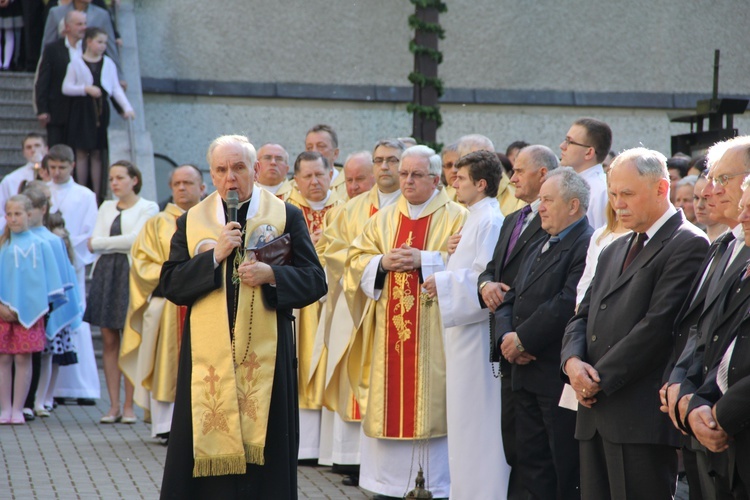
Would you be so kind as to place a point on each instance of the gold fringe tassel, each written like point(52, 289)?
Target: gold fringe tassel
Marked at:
point(254, 454)
point(219, 466)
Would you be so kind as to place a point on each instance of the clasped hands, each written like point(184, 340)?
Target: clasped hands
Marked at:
point(251, 273)
point(584, 379)
point(510, 351)
point(403, 259)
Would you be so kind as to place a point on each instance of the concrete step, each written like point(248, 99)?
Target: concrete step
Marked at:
point(27, 123)
point(11, 155)
point(11, 138)
point(23, 95)
point(16, 81)
point(16, 108)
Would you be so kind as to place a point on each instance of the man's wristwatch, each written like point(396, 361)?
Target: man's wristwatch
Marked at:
point(482, 285)
point(519, 346)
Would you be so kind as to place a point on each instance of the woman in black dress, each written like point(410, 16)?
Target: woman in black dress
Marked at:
point(90, 80)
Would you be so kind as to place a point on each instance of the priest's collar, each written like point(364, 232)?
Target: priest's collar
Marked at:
point(252, 209)
point(271, 189)
point(416, 210)
point(319, 205)
point(385, 199)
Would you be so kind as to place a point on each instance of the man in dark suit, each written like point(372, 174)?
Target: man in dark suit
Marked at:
point(719, 412)
point(616, 348)
point(529, 329)
point(52, 107)
point(706, 315)
point(520, 229)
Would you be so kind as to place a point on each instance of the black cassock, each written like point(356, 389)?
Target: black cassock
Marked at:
point(184, 280)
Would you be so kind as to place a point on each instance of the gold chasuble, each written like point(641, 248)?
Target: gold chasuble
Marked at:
point(149, 354)
point(396, 361)
point(343, 224)
point(311, 355)
point(231, 378)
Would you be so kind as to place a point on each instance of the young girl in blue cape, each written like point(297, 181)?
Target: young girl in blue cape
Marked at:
point(64, 318)
point(29, 284)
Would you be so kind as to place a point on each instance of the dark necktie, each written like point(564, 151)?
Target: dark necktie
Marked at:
point(525, 211)
point(635, 249)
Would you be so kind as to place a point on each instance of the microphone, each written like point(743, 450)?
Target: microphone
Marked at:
point(233, 203)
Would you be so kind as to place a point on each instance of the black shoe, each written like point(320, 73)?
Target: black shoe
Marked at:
point(28, 414)
point(384, 497)
point(85, 402)
point(350, 480)
point(60, 401)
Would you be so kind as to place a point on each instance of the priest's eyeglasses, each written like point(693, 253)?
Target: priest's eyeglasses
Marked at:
point(391, 160)
point(723, 180)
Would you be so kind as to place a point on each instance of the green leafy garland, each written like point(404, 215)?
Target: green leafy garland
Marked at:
point(427, 112)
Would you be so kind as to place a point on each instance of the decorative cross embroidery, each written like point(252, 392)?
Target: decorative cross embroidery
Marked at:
point(211, 379)
point(250, 365)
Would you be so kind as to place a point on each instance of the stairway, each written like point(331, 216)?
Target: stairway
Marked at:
point(17, 118)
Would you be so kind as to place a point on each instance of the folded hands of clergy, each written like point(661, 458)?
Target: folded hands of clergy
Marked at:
point(584, 379)
point(402, 260)
point(707, 430)
point(509, 348)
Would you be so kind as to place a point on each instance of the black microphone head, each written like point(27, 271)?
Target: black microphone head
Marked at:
point(233, 199)
point(233, 203)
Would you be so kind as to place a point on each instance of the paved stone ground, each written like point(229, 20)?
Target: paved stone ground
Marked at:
point(72, 455)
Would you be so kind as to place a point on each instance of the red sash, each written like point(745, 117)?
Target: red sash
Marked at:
point(402, 336)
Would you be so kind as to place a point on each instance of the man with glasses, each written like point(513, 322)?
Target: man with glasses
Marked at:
point(272, 168)
point(396, 359)
point(705, 318)
point(343, 225)
point(584, 148)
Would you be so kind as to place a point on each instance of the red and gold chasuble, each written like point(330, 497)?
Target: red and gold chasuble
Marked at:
point(402, 336)
point(314, 218)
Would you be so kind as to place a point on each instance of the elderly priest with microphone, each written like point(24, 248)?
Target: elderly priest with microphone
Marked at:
point(241, 260)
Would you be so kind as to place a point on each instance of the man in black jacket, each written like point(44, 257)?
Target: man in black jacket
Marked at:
point(529, 330)
point(520, 229)
point(52, 107)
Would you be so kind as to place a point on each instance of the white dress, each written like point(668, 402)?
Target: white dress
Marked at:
point(477, 461)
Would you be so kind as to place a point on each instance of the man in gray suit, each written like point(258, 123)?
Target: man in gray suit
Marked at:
point(616, 348)
point(96, 17)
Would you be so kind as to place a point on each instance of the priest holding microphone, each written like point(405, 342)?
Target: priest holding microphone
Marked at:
point(234, 432)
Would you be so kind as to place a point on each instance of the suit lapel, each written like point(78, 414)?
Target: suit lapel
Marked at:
point(534, 226)
point(556, 253)
point(502, 243)
point(652, 248)
point(729, 275)
point(696, 295)
point(736, 295)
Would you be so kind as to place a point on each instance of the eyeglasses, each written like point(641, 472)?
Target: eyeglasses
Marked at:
point(277, 159)
point(391, 160)
point(723, 180)
point(568, 141)
point(417, 176)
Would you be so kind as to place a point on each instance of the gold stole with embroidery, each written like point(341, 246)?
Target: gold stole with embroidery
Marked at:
point(231, 384)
